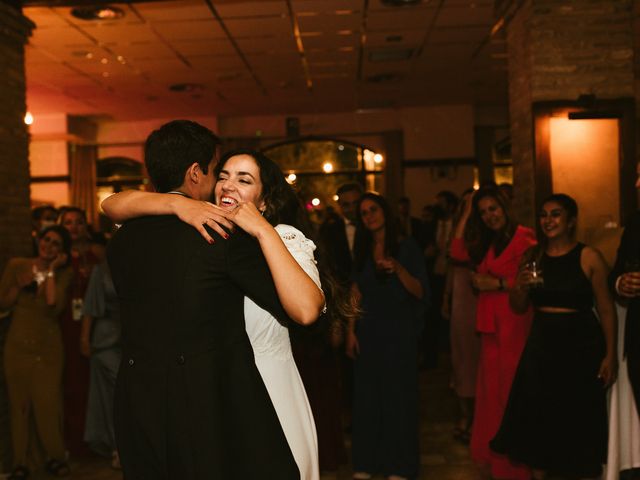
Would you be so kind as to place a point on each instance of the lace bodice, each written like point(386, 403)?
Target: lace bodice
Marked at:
point(267, 336)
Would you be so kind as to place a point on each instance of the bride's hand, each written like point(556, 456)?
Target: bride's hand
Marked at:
point(198, 213)
point(249, 218)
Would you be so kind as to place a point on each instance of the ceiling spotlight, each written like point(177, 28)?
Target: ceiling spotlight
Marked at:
point(327, 167)
point(291, 178)
point(315, 202)
point(97, 13)
point(378, 158)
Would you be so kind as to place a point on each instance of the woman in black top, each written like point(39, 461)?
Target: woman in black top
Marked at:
point(556, 418)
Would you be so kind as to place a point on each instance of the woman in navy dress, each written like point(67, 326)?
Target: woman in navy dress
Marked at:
point(391, 284)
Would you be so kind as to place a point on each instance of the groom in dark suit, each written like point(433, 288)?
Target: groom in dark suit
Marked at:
point(190, 403)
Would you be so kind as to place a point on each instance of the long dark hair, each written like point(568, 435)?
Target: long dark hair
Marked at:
point(282, 205)
point(363, 242)
point(478, 237)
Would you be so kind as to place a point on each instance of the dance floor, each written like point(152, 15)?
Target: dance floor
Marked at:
point(442, 457)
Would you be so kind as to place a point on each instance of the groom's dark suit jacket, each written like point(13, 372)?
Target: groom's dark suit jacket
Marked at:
point(629, 250)
point(190, 403)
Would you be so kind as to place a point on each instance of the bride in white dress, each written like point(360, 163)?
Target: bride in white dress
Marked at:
point(251, 191)
point(274, 359)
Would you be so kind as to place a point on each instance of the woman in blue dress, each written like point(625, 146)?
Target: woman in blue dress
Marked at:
point(100, 341)
point(391, 284)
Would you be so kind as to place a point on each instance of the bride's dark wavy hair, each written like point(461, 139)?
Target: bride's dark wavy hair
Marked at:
point(282, 205)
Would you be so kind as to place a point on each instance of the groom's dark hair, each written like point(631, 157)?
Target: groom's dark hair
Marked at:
point(171, 149)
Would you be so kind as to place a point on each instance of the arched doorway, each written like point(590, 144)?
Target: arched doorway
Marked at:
point(317, 166)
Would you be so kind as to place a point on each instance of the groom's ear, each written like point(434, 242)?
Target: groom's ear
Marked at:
point(193, 173)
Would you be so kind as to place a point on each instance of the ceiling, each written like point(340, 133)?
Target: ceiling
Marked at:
point(264, 56)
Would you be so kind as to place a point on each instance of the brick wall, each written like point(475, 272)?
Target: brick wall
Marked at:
point(14, 140)
point(519, 58)
point(14, 171)
point(559, 51)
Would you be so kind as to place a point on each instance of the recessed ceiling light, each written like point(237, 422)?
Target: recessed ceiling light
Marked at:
point(97, 13)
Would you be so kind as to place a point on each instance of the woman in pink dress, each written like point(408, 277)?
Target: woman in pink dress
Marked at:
point(494, 243)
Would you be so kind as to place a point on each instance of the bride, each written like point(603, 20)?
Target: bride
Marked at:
point(252, 191)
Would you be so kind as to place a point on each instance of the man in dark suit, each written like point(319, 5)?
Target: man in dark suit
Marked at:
point(625, 281)
point(338, 232)
point(190, 403)
point(410, 226)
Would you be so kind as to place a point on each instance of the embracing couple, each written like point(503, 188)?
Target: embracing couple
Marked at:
point(200, 394)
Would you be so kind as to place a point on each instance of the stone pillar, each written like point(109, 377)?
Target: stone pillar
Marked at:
point(560, 51)
point(15, 224)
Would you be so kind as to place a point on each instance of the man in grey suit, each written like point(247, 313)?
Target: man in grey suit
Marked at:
point(190, 403)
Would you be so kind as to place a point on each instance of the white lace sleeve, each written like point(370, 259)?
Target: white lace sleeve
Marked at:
point(301, 248)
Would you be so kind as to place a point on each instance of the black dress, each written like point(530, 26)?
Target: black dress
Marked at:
point(556, 416)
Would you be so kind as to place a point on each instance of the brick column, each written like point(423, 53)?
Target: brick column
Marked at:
point(559, 51)
point(14, 138)
point(15, 224)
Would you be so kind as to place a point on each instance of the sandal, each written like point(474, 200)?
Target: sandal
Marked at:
point(19, 473)
point(57, 468)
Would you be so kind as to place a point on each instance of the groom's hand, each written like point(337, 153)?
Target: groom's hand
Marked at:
point(198, 214)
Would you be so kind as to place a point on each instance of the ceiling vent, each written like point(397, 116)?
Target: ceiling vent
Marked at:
point(97, 13)
point(186, 87)
point(390, 55)
point(384, 78)
point(400, 3)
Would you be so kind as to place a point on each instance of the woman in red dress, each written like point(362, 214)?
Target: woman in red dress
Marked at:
point(494, 243)
point(84, 256)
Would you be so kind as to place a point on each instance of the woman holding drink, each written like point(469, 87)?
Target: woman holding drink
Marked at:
point(556, 418)
point(488, 236)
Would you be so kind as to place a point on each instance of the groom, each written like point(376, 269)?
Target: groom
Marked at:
point(190, 403)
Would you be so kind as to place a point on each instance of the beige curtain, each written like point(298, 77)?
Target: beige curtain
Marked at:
point(83, 180)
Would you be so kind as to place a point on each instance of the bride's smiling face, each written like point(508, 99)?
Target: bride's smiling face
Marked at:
point(239, 182)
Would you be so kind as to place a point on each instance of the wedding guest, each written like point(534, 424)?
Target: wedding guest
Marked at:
point(36, 289)
point(100, 342)
point(84, 256)
point(391, 285)
point(494, 243)
point(556, 418)
point(459, 306)
point(41, 218)
point(435, 331)
point(624, 280)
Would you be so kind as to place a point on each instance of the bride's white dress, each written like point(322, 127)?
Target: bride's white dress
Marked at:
point(274, 359)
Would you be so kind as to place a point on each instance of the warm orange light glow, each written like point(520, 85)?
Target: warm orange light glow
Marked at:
point(585, 160)
point(327, 167)
point(28, 118)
